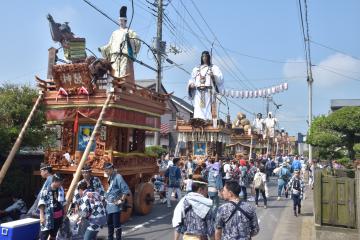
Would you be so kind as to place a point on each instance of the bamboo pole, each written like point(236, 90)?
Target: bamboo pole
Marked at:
point(17, 144)
point(251, 146)
point(76, 177)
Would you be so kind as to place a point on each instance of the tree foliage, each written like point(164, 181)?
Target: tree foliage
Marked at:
point(340, 129)
point(16, 103)
point(155, 150)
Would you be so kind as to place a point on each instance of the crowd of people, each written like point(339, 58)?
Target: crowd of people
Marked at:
point(91, 207)
point(218, 194)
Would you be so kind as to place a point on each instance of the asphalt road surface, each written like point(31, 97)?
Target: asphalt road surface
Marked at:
point(157, 225)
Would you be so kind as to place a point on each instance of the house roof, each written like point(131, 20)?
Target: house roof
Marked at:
point(339, 103)
point(146, 83)
point(182, 103)
point(151, 84)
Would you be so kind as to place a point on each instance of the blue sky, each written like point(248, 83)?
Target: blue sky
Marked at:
point(259, 29)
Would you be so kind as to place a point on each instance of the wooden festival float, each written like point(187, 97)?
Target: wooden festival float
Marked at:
point(82, 94)
point(244, 140)
point(199, 138)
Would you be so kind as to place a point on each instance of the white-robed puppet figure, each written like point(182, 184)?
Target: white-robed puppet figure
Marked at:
point(205, 82)
point(258, 124)
point(270, 123)
point(122, 45)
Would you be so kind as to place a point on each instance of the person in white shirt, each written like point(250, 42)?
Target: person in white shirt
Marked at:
point(227, 171)
point(188, 184)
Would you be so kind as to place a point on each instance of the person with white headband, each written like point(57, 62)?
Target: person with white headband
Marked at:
point(193, 215)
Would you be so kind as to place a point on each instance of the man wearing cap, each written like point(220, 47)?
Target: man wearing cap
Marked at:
point(51, 208)
point(122, 45)
point(206, 80)
point(193, 215)
point(284, 177)
point(45, 173)
point(296, 187)
point(115, 197)
point(93, 184)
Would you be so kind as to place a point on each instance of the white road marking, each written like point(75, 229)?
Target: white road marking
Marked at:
point(137, 227)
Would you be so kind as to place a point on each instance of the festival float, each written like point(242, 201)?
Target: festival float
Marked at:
point(246, 139)
point(205, 135)
point(100, 115)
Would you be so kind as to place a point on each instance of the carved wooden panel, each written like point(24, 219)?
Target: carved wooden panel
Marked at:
point(67, 138)
point(71, 77)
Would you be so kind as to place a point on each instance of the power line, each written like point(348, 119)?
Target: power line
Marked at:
point(221, 63)
point(239, 106)
point(227, 54)
point(337, 73)
point(303, 35)
point(334, 49)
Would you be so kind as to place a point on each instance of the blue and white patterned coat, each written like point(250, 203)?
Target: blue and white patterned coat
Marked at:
point(117, 188)
point(302, 186)
point(46, 200)
point(92, 208)
point(238, 226)
point(96, 186)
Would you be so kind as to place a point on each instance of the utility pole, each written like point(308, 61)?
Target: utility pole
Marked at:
point(158, 56)
point(310, 81)
point(268, 100)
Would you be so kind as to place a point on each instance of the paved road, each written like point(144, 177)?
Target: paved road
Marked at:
point(157, 225)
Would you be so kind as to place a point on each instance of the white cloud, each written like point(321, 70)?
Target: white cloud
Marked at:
point(294, 67)
point(328, 72)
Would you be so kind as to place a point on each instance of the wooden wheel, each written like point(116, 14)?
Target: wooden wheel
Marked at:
point(127, 208)
point(144, 198)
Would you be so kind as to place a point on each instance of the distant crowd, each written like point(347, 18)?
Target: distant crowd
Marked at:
point(207, 183)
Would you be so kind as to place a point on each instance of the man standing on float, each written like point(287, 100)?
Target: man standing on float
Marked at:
point(205, 82)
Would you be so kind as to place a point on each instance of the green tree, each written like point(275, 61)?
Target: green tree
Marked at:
point(16, 103)
point(155, 150)
point(340, 129)
point(346, 121)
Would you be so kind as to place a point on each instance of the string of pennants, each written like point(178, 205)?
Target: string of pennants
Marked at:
point(255, 93)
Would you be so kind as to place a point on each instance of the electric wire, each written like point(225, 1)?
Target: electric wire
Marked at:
point(334, 49)
point(221, 63)
point(222, 47)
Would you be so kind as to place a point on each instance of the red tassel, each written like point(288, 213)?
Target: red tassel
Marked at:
point(76, 123)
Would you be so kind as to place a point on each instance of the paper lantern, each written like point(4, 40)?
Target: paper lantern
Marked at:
point(285, 85)
point(227, 93)
point(246, 94)
point(250, 94)
point(264, 92)
point(281, 88)
point(273, 90)
point(256, 93)
point(268, 91)
point(223, 92)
